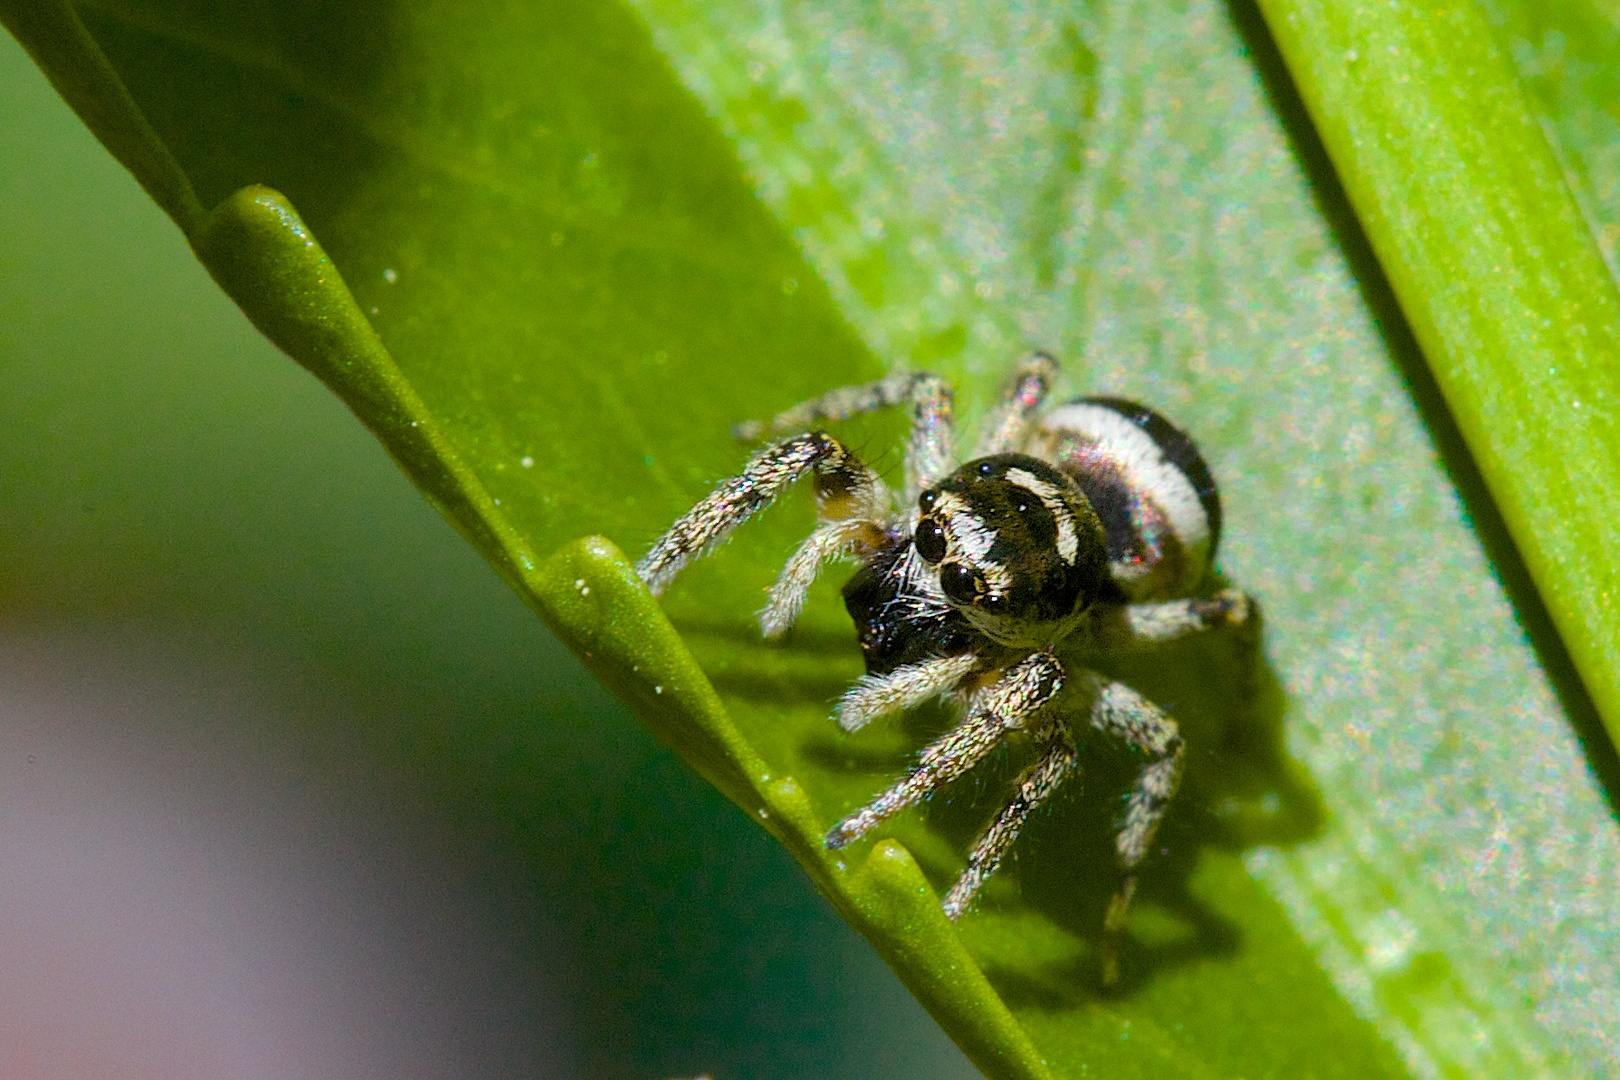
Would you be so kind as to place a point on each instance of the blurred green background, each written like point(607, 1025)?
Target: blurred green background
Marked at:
point(265, 717)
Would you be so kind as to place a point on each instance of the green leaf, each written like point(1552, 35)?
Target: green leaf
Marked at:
point(1483, 241)
point(549, 256)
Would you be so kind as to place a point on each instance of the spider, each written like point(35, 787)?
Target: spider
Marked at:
point(1086, 528)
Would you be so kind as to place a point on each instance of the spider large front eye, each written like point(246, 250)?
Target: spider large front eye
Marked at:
point(960, 583)
point(930, 540)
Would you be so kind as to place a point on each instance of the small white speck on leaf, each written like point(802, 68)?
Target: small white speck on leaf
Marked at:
point(1389, 941)
point(526, 461)
point(390, 275)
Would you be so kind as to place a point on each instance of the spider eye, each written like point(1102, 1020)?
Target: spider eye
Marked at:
point(960, 583)
point(925, 501)
point(930, 539)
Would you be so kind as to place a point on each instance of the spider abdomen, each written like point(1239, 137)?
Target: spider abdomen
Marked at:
point(1148, 484)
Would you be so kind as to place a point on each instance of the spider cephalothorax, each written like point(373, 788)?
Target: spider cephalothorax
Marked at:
point(1088, 527)
point(1017, 548)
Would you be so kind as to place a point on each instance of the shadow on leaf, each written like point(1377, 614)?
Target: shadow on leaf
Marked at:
point(1038, 924)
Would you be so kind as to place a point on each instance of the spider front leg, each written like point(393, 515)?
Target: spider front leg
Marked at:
point(851, 504)
point(1118, 710)
point(1006, 427)
point(1008, 703)
point(845, 489)
point(931, 450)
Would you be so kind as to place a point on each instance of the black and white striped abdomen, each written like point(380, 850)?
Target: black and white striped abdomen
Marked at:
point(1148, 484)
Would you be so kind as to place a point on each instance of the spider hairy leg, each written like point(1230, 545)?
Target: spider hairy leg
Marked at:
point(833, 540)
point(767, 474)
point(1005, 428)
point(1138, 626)
point(851, 503)
point(1006, 704)
point(873, 696)
point(931, 448)
point(1134, 627)
point(1038, 783)
point(1120, 711)
point(839, 404)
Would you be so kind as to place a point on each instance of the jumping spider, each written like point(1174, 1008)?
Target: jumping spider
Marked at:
point(1086, 528)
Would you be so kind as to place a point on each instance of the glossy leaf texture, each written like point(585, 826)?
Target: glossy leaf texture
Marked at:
point(549, 256)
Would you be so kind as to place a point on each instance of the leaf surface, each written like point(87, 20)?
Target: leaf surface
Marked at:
point(550, 256)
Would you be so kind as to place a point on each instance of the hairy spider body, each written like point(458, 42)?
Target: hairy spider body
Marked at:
point(1087, 528)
